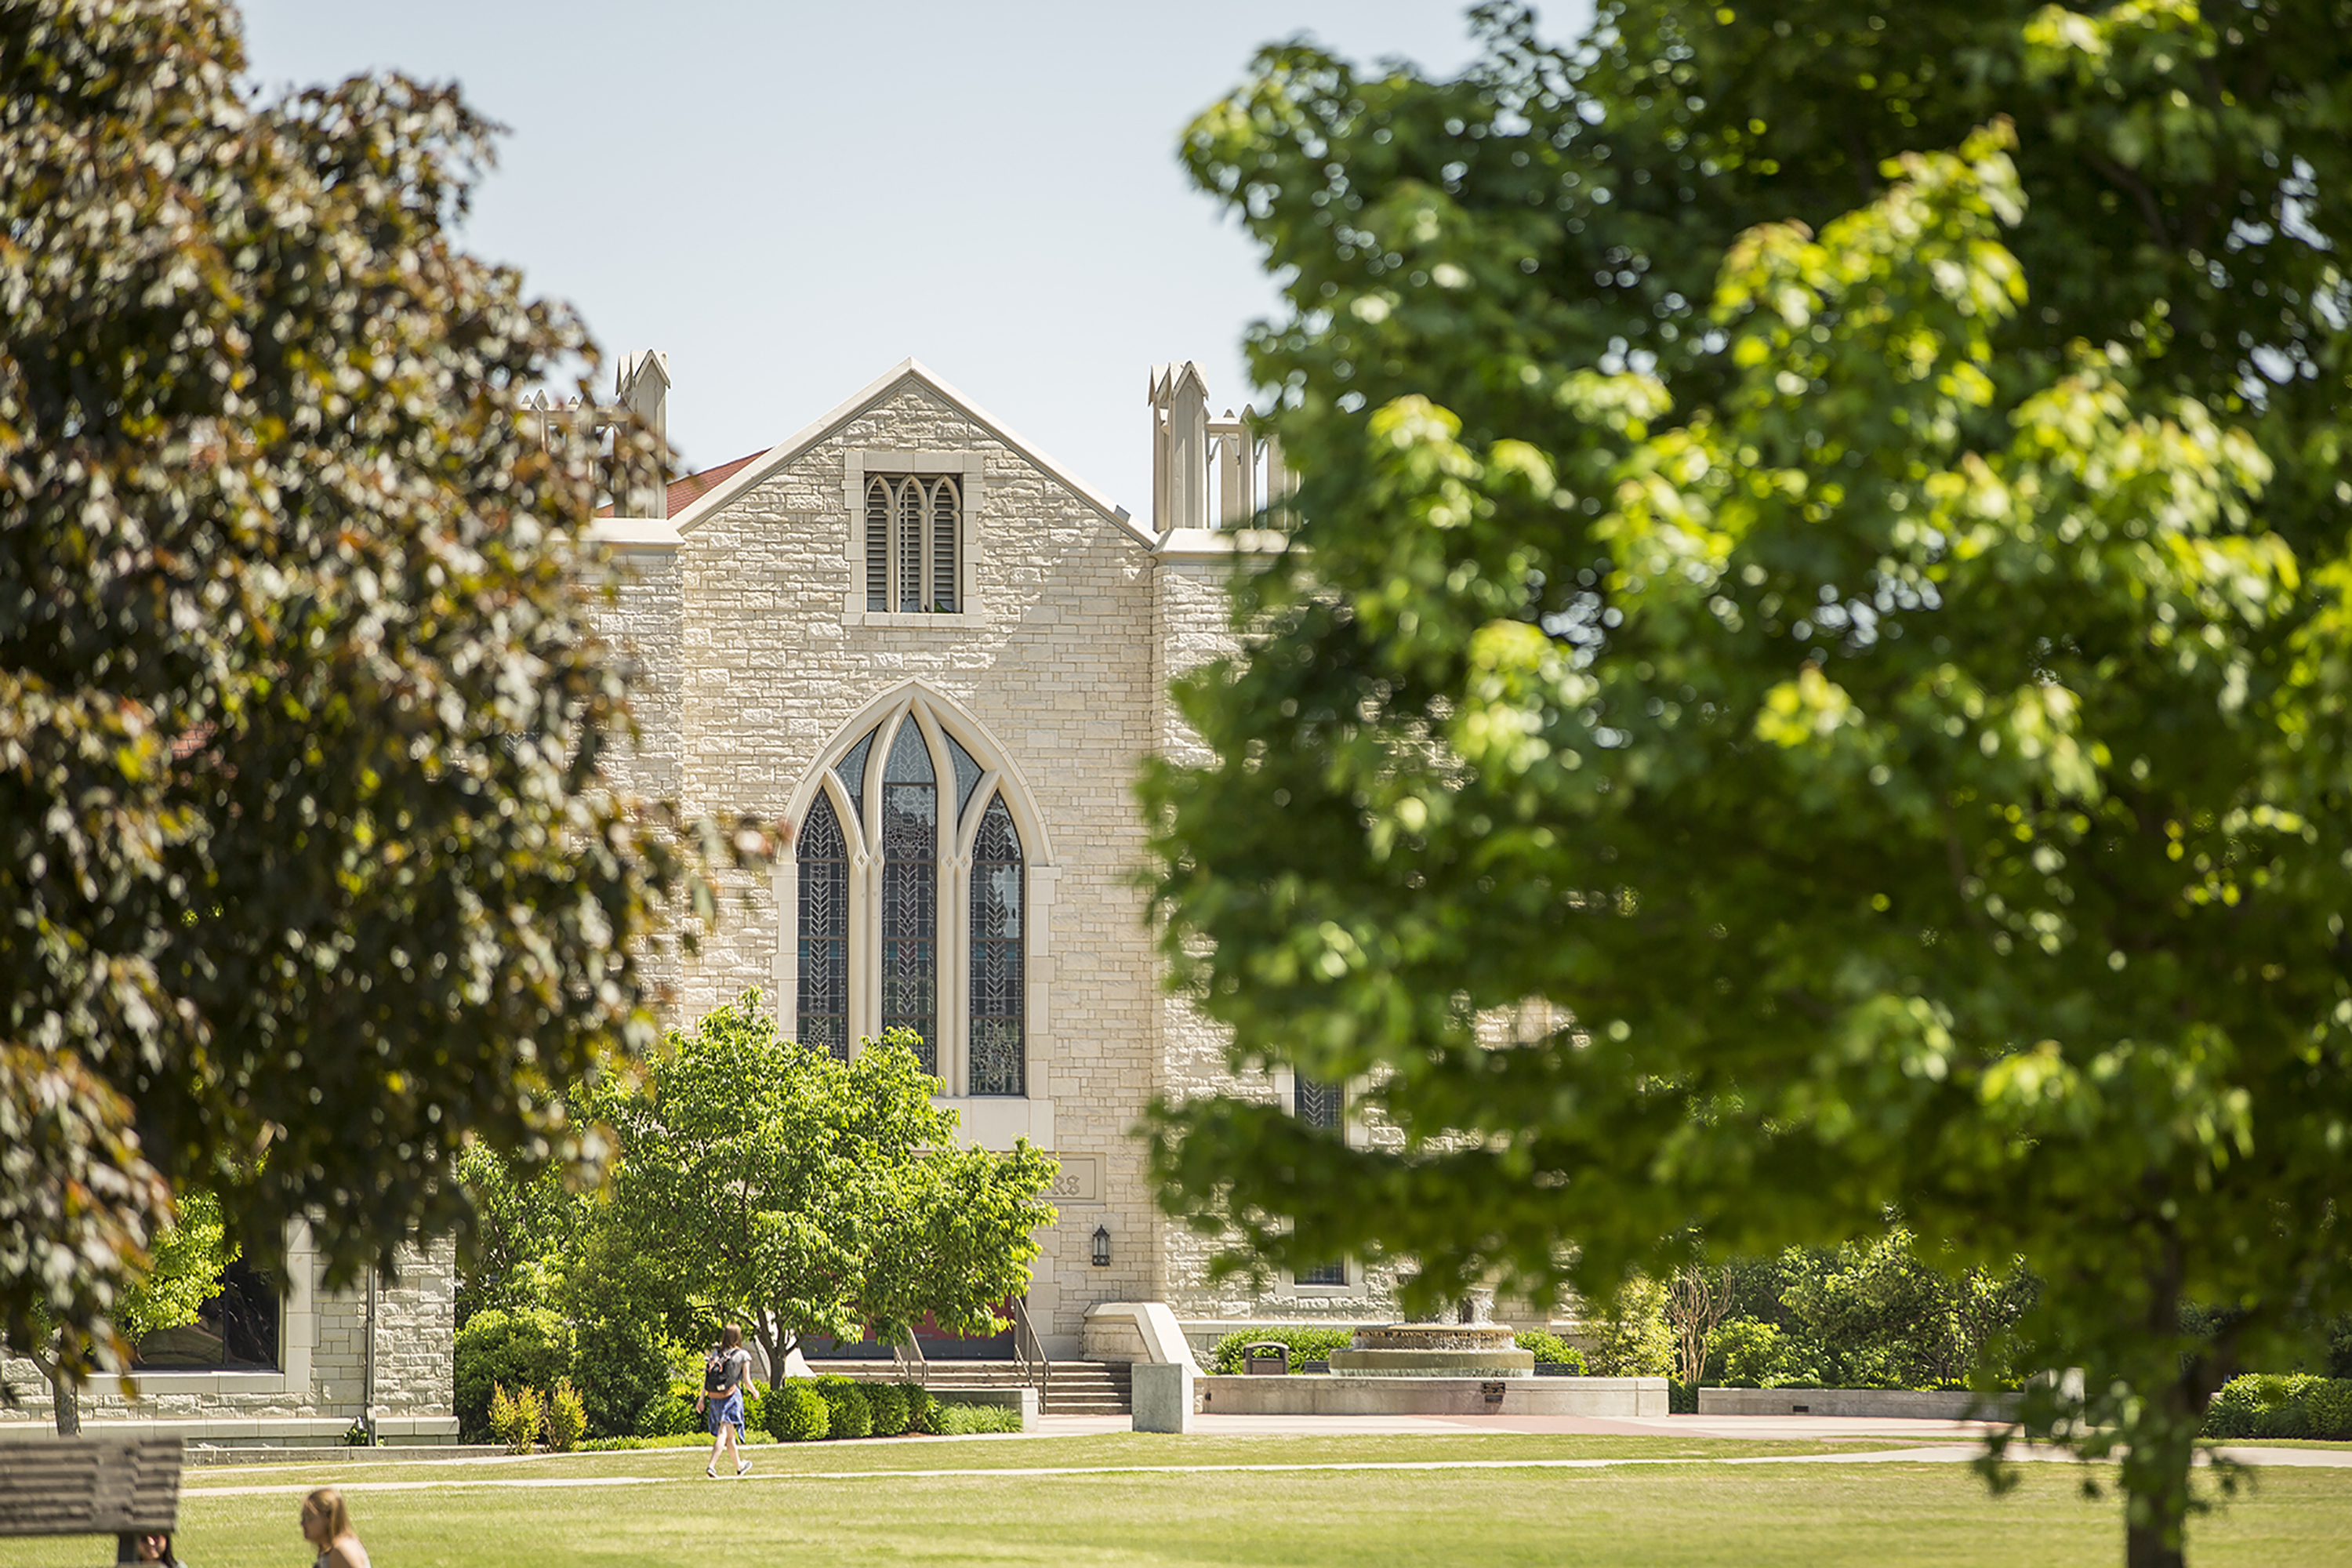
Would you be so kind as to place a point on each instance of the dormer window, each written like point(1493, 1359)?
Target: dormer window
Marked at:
point(914, 530)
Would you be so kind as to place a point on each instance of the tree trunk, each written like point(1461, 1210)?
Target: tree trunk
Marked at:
point(65, 1398)
point(2156, 1468)
point(763, 1329)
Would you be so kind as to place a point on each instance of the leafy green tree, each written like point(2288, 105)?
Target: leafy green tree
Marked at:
point(182, 1271)
point(1823, 563)
point(814, 1196)
point(525, 1231)
point(313, 855)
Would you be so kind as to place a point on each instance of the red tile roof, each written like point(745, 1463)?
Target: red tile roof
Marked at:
point(684, 492)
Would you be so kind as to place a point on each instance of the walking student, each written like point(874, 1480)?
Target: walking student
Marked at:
point(721, 1399)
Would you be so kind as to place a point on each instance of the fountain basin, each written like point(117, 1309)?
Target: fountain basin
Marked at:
point(1434, 1350)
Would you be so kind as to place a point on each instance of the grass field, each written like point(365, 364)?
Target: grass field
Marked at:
point(1694, 1502)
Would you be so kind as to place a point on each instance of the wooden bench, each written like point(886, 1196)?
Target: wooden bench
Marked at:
point(118, 1485)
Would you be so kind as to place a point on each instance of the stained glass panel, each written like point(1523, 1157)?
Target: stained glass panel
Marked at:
point(851, 770)
point(910, 900)
point(1317, 1104)
point(999, 1053)
point(824, 932)
point(967, 773)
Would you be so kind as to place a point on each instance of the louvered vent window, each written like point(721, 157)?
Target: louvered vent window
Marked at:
point(914, 529)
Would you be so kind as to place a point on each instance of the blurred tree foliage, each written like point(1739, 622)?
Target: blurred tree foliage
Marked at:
point(815, 1196)
point(1824, 563)
point(310, 848)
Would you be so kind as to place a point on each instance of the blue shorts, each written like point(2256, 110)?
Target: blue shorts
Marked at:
point(720, 1412)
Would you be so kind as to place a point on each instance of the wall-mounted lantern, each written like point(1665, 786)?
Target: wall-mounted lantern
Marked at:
point(1102, 1247)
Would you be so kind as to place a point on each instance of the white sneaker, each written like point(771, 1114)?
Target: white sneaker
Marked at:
point(742, 1467)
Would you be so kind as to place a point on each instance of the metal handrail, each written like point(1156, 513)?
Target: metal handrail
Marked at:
point(905, 1353)
point(1028, 1350)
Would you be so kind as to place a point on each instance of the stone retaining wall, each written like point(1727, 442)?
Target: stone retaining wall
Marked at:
point(1876, 1403)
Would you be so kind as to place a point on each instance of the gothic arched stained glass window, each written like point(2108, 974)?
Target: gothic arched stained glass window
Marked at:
point(895, 928)
point(998, 1059)
point(824, 932)
point(910, 890)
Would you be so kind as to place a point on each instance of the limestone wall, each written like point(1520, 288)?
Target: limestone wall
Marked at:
point(321, 1380)
point(1052, 657)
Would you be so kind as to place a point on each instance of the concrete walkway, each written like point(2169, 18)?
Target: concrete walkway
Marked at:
point(1921, 1442)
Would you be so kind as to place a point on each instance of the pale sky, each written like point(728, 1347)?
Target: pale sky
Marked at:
point(789, 198)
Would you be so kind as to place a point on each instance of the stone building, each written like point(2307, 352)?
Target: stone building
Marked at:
point(282, 1359)
point(942, 656)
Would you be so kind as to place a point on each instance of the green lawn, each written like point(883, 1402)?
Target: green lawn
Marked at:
point(799, 1508)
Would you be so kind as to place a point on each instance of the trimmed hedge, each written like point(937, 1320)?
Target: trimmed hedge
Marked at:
point(2277, 1404)
point(922, 1410)
point(1303, 1345)
point(1550, 1349)
point(847, 1411)
point(890, 1406)
point(797, 1412)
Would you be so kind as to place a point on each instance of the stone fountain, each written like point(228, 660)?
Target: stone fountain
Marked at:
point(1476, 1346)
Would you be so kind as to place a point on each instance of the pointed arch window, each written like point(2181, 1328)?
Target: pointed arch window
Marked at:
point(825, 930)
point(914, 535)
point(998, 1060)
point(917, 905)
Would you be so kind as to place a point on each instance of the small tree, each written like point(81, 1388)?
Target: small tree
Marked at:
point(820, 1197)
point(183, 1272)
point(1696, 1299)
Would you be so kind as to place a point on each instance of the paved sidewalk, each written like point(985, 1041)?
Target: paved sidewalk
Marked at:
point(1769, 1428)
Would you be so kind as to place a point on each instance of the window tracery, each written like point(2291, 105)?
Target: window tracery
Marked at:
point(914, 900)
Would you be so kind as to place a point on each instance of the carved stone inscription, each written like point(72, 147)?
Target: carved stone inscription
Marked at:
point(1079, 1182)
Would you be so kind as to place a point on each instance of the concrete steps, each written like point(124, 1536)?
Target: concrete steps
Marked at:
point(1077, 1388)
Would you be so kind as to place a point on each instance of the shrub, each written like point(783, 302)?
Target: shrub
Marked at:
point(515, 1418)
point(670, 1413)
point(2328, 1405)
point(890, 1405)
point(1302, 1344)
point(796, 1413)
point(755, 1408)
point(619, 1369)
point(528, 1347)
point(1755, 1354)
point(921, 1408)
point(2270, 1405)
point(567, 1420)
point(1633, 1339)
point(1550, 1349)
point(847, 1413)
point(970, 1420)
